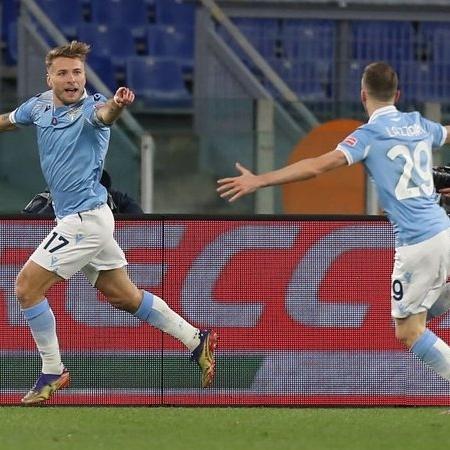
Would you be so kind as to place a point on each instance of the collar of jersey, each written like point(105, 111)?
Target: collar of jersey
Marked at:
point(382, 111)
point(71, 105)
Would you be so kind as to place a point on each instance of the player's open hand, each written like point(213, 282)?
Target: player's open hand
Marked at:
point(235, 187)
point(124, 97)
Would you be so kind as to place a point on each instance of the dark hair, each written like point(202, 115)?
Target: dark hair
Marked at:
point(380, 80)
point(73, 50)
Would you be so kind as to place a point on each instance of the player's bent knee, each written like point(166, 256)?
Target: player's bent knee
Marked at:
point(408, 337)
point(24, 291)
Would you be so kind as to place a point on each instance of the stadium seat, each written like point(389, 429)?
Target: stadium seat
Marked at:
point(309, 80)
point(58, 12)
point(354, 72)
point(9, 14)
point(433, 37)
point(104, 69)
point(425, 81)
point(166, 41)
point(158, 82)
point(388, 41)
point(175, 12)
point(110, 41)
point(131, 13)
point(308, 40)
point(11, 43)
point(262, 33)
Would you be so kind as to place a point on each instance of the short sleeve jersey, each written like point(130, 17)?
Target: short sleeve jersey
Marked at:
point(395, 148)
point(72, 146)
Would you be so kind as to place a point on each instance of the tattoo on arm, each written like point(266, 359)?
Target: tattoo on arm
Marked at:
point(5, 123)
point(109, 112)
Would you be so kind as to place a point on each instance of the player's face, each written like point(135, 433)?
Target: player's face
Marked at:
point(66, 78)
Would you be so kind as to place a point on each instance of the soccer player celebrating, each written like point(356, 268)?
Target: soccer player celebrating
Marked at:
point(395, 148)
point(73, 132)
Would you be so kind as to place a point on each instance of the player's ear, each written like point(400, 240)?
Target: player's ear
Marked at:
point(49, 81)
point(397, 96)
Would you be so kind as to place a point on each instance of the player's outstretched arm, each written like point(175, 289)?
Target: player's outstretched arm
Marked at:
point(247, 182)
point(112, 109)
point(6, 124)
point(447, 140)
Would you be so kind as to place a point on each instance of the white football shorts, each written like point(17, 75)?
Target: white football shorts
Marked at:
point(420, 275)
point(82, 241)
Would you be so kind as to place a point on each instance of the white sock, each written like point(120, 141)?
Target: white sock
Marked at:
point(42, 324)
point(156, 312)
point(434, 352)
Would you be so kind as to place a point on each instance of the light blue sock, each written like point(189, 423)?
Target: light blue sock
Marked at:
point(156, 312)
point(42, 324)
point(434, 352)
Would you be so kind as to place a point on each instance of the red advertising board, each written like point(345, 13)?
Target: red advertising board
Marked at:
point(308, 297)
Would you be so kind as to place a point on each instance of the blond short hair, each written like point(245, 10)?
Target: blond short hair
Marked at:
point(75, 50)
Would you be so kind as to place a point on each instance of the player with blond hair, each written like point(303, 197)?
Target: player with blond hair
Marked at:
point(73, 132)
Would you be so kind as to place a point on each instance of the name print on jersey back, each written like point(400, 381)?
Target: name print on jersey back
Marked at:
point(407, 131)
point(395, 148)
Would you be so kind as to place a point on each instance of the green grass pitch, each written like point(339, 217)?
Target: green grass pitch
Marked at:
point(257, 428)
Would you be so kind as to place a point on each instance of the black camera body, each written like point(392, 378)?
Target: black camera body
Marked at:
point(441, 177)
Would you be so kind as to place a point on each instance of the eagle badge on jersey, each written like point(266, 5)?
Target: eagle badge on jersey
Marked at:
point(74, 113)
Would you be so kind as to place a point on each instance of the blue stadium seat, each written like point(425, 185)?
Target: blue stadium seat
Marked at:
point(131, 13)
point(157, 82)
point(425, 81)
point(11, 43)
point(104, 69)
point(9, 14)
point(262, 33)
point(434, 37)
point(110, 41)
point(418, 81)
point(166, 41)
point(175, 12)
point(66, 15)
point(310, 81)
point(307, 40)
point(388, 41)
point(355, 70)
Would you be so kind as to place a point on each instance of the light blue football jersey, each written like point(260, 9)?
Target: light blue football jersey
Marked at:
point(395, 148)
point(72, 146)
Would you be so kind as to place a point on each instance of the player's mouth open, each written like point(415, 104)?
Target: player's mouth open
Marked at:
point(71, 90)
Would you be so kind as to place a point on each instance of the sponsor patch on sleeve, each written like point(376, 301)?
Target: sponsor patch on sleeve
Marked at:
point(350, 140)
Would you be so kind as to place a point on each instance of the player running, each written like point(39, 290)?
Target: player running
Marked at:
point(395, 148)
point(73, 132)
